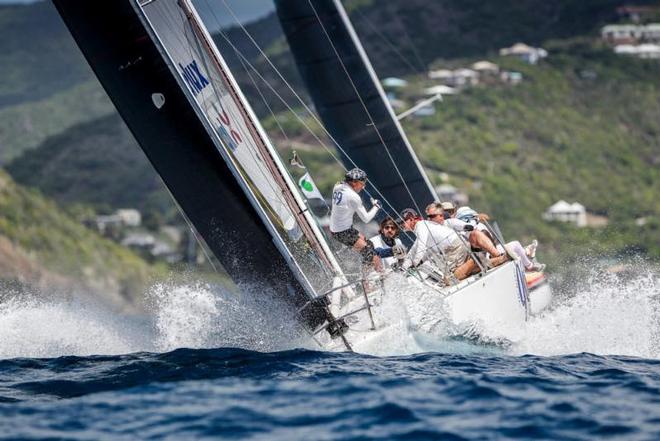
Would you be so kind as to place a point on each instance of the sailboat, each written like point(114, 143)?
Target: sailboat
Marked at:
point(173, 89)
point(353, 106)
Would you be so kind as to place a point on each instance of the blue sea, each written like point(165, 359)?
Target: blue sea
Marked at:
point(203, 364)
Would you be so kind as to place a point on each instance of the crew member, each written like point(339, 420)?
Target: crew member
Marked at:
point(477, 238)
point(387, 243)
point(345, 203)
point(434, 238)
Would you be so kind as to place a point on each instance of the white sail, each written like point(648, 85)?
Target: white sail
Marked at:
point(210, 89)
point(202, 70)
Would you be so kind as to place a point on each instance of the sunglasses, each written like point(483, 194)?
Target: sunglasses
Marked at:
point(432, 215)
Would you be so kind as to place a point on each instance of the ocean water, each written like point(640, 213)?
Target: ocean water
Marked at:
point(206, 364)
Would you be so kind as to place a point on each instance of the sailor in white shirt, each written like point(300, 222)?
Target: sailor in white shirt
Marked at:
point(345, 203)
point(387, 242)
point(435, 239)
point(478, 238)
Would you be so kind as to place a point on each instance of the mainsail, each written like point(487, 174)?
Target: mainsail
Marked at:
point(176, 94)
point(351, 102)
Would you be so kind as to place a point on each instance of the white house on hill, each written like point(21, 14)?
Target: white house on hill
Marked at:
point(486, 68)
point(564, 212)
point(528, 54)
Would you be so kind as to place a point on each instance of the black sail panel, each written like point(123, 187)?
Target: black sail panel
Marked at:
point(156, 110)
point(350, 101)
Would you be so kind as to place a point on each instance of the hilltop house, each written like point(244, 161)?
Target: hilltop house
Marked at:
point(440, 74)
point(528, 54)
point(485, 68)
point(621, 34)
point(564, 212)
point(130, 217)
point(455, 78)
point(440, 89)
point(631, 34)
point(651, 33)
point(394, 83)
point(511, 77)
point(651, 51)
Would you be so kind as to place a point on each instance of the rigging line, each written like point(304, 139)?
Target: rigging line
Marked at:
point(318, 139)
point(412, 45)
point(387, 41)
point(193, 41)
point(270, 109)
point(263, 99)
point(304, 123)
point(262, 144)
point(364, 106)
point(300, 100)
point(286, 83)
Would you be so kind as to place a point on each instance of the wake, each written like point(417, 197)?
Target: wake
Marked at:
point(605, 314)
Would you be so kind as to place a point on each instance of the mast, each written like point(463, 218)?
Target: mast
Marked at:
point(351, 102)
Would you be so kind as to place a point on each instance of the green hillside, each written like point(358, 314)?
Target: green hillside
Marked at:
point(422, 31)
point(58, 243)
point(96, 163)
point(38, 56)
point(582, 126)
point(25, 126)
point(564, 133)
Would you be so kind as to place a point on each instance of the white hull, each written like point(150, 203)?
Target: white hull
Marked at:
point(478, 303)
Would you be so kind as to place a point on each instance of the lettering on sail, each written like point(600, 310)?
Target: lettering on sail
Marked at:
point(224, 127)
point(194, 77)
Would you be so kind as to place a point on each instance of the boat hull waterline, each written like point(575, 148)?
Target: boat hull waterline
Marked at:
point(403, 306)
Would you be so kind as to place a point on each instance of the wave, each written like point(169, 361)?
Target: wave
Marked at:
point(195, 315)
point(604, 314)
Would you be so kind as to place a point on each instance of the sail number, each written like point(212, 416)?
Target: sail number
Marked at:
point(337, 197)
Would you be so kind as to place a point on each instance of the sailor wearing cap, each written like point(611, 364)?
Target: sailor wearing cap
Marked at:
point(435, 238)
point(346, 202)
point(437, 212)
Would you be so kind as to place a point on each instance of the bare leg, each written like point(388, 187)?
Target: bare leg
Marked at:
point(518, 249)
point(360, 244)
point(465, 269)
point(479, 240)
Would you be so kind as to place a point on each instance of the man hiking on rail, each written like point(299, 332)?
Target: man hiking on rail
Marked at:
point(345, 203)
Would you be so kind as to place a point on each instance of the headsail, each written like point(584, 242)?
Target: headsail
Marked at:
point(172, 88)
point(350, 100)
point(219, 101)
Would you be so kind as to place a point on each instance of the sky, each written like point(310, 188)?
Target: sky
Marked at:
point(245, 10)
